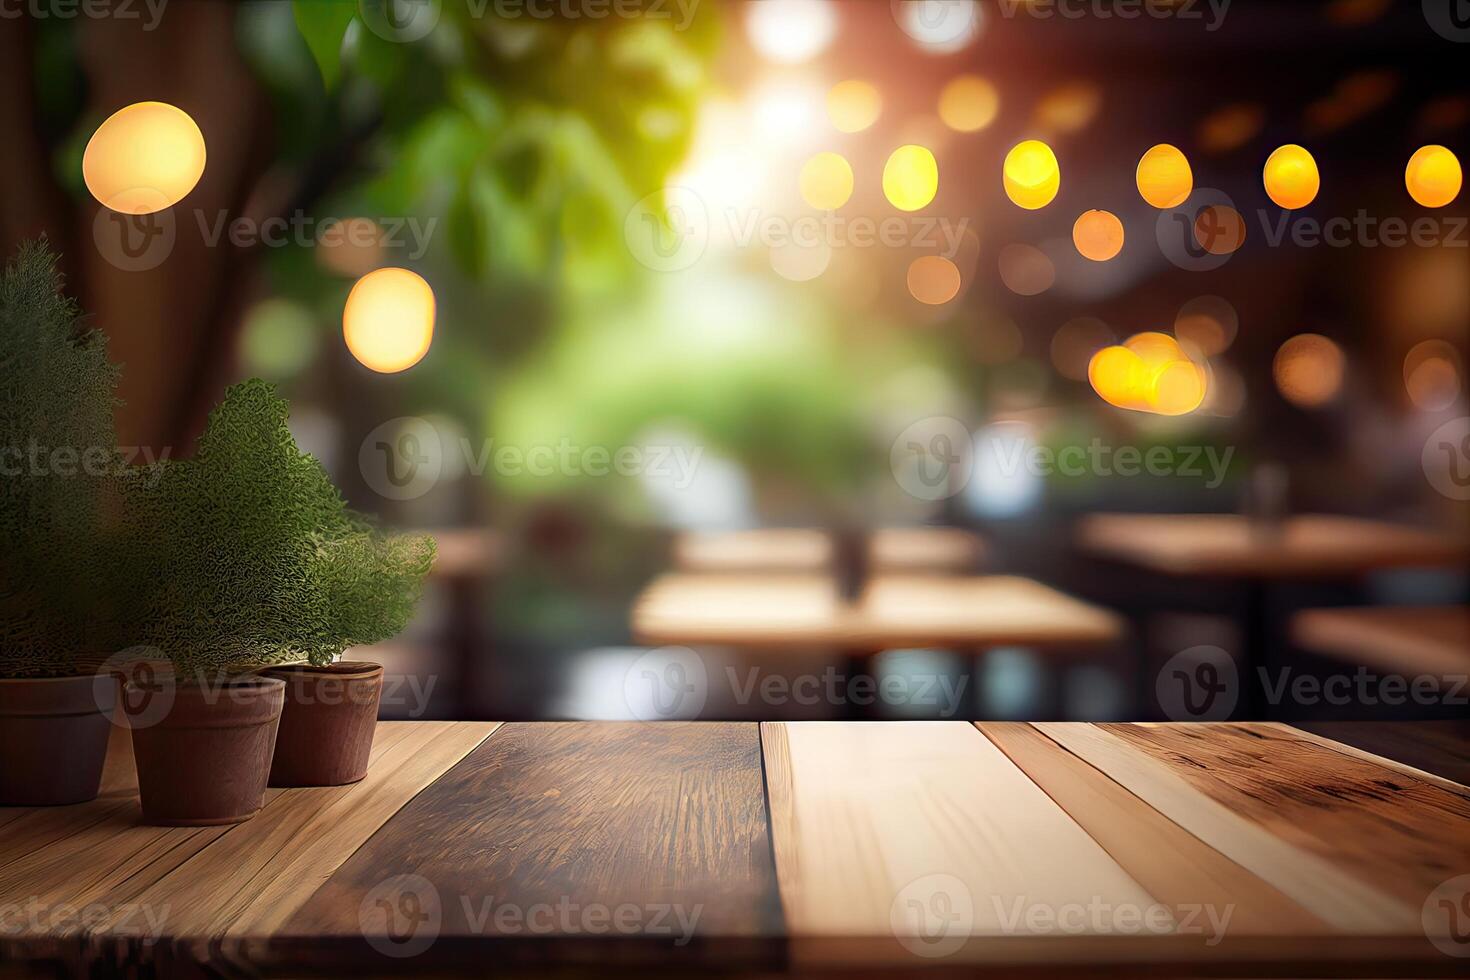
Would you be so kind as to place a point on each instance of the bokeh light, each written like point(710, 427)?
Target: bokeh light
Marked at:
point(790, 31)
point(826, 181)
point(1026, 270)
point(933, 279)
point(352, 247)
point(940, 26)
point(388, 321)
point(1074, 343)
point(1178, 388)
point(1098, 235)
point(1231, 127)
point(1163, 177)
point(1069, 108)
point(1031, 175)
point(968, 104)
point(1149, 372)
point(800, 261)
point(278, 339)
point(910, 177)
point(853, 105)
point(143, 158)
point(1219, 229)
point(1433, 176)
point(1291, 177)
point(1208, 324)
point(1432, 375)
point(1308, 370)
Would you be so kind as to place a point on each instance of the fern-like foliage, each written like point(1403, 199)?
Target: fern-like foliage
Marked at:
point(252, 557)
point(58, 462)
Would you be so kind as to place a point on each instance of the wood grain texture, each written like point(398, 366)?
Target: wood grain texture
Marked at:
point(894, 611)
point(1174, 866)
point(1401, 835)
point(866, 815)
point(1438, 751)
point(1409, 640)
point(1314, 882)
point(1307, 546)
point(607, 815)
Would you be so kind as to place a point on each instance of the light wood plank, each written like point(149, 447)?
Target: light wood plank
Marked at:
point(891, 549)
point(1174, 866)
point(1437, 752)
point(865, 815)
point(1317, 884)
point(1408, 640)
point(1403, 836)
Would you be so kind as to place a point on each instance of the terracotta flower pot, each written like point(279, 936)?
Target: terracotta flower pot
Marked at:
point(327, 725)
point(204, 758)
point(53, 739)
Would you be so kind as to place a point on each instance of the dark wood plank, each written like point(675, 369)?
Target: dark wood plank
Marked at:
point(665, 822)
point(1438, 747)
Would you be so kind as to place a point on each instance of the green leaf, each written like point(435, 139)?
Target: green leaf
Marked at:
point(323, 23)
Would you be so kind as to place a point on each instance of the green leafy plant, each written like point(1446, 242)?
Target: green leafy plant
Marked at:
point(252, 557)
point(58, 460)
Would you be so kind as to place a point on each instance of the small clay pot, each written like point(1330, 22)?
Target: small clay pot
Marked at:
point(328, 723)
point(203, 749)
point(53, 738)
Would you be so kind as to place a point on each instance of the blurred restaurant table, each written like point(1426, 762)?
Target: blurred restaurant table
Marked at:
point(965, 614)
point(1410, 640)
point(894, 549)
point(1254, 554)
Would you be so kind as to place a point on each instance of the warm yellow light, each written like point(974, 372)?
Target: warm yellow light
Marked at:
point(1433, 176)
point(826, 181)
point(1116, 374)
point(790, 31)
point(1149, 372)
point(968, 104)
point(388, 321)
point(910, 177)
point(1208, 324)
point(1291, 177)
point(1031, 175)
point(1308, 370)
point(853, 105)
point(1164, 178)
point(143, 158)
point(1098, 235)
point(933, 279)
point(1069, 108)
point(1219, 229)
point(1432, 375)
point(1178, 388)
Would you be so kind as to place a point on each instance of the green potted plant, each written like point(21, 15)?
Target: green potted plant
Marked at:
point(58, 461)
point(257, 577)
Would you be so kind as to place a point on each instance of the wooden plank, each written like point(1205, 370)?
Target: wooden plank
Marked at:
point(256, 876)
point(1174, 866)
point(891, 549)
point(667, 820)
point(1402, 836)
point(1408, 640)
point(866, 816)
point(1436, 751)
point(1313, 881)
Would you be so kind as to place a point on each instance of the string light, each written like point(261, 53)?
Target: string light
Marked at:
point(388, 321)
point(968, 104)
point(1291, 177)
point(1098, 235)
point(1031, 175)
point(826, 181)
point(1433, 176)
point(910, 177)
point(1163, 177)
point(853, 105)
point(143, 158)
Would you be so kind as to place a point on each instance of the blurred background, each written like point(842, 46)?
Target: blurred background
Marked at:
point(757, 369)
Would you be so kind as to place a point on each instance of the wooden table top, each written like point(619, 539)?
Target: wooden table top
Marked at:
point(1229, 545)
point(894, 611)
point(892, 549)
point(1406, 639)
point(1237, 849)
